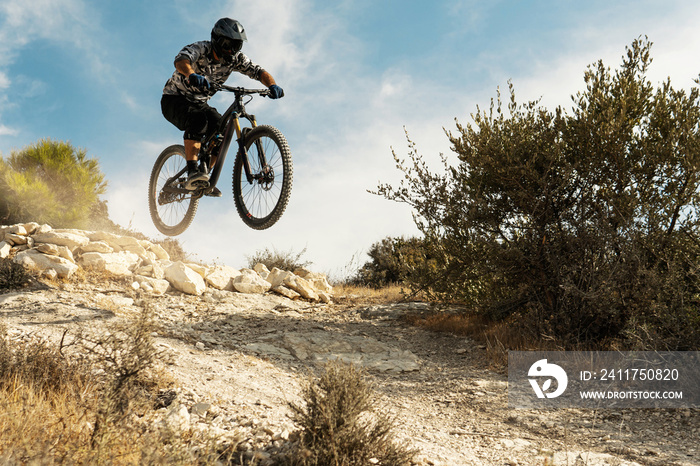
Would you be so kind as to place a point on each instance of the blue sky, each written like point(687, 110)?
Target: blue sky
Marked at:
point(355, 74)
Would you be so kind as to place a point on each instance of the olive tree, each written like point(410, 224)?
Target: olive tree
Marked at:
point(50, 182)
point(583, 224)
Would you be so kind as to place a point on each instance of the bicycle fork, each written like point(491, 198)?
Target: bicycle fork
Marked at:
point(243, 153)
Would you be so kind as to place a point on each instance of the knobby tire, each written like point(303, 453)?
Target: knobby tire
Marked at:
point(175, 216)
point(261, 204)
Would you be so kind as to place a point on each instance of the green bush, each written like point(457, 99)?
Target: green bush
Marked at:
point(585, 225)
point(396, 261)
point(50, 182)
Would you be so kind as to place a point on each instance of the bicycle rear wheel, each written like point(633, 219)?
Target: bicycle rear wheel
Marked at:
point(171, 212)
point(261, 200)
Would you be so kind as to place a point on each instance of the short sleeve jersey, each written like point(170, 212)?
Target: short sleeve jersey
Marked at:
point(201, 57)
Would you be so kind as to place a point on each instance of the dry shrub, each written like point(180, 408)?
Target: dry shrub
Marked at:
point(35, 363)
point(13, 275)
point(283, 260)
point(128, 354)
point(60, 407)
point(340, 425)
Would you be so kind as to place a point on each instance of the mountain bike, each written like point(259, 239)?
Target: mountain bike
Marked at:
point(262, 171)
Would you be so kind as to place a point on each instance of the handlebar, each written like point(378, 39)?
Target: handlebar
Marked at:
point(241, 90)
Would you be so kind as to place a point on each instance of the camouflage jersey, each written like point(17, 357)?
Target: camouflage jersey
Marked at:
point(201, 57)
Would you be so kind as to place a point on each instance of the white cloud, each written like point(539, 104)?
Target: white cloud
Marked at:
point(557, 72)
point(5, 131)
point(57, 20)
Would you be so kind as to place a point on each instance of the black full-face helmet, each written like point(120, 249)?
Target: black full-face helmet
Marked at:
point(227, 37)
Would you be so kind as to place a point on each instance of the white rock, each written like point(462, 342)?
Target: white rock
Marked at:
point(109, 238)
point(324, 297)
point(62, 238)
point(120, 302)
point(220, 277)
point(200, 409)
point(34, 259)
point(146, 271)
point(135, 248)
point(160, 253)
point(250, 282)
point(155, 270)
point(158, 271)
point(16, 230)
point(97, 246)
point(200, 269)
point(183, 278)
point(286, 292)
point(303, 272)
point(55, 250)
point(153, 285)
point(149, 257)
point(118, 243)
point(301, 286)
point(5, 249)
point(262, 270)
point(117, 263)
point(317, 280)
point(127, 242)
point(31, 228)
point(321, 285)
point(178, 418)
point(46, 248)
point(277, 276)
point(15, 239)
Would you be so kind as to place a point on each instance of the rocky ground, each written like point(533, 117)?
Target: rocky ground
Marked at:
point(238, 360)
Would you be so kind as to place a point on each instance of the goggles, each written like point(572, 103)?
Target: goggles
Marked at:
point(230, 46)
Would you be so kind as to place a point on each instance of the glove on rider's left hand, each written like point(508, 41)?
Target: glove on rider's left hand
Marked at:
point(276, 92)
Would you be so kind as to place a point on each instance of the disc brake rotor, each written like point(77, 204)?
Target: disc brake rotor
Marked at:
point(267, 178)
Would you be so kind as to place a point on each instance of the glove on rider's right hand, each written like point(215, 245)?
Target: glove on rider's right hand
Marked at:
point(198, 80)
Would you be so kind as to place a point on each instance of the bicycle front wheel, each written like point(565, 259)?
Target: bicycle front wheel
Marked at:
point(262, 197)
point(171, 211)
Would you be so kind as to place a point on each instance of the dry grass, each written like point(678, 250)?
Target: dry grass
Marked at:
point(497, 337)
point(59, 407)
point(352, 294)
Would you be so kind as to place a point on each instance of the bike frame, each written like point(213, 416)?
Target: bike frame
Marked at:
point(228, 125)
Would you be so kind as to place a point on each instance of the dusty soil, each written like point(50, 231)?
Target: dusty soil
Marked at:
point(233, 374)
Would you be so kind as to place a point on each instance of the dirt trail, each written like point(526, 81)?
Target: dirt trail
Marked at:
point(239, 359)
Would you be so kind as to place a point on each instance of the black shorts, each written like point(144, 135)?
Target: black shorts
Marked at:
point(196, 119)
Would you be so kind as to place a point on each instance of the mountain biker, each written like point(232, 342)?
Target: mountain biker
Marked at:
point(185, 95)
